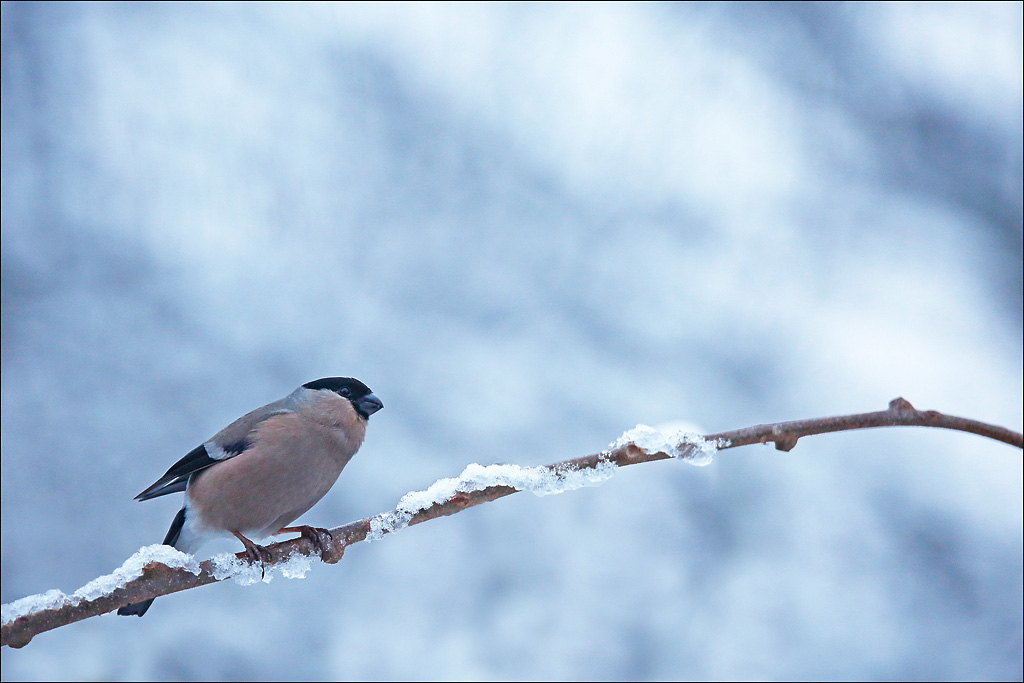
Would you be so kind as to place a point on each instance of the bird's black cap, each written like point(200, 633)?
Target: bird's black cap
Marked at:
point(355, 391)
point(349, 387)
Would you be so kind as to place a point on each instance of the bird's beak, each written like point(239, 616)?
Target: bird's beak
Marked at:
point(368, 405)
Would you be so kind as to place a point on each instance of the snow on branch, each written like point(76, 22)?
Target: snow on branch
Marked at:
point(159, 570)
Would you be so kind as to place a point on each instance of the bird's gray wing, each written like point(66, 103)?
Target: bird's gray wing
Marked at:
point(234, 439)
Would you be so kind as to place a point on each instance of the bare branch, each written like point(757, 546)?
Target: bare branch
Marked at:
point(900, 414)
point(158, 579)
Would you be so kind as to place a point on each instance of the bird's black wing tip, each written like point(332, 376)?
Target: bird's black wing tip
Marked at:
point(163, 487)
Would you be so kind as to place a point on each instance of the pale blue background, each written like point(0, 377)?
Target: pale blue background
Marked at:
point(527, 228)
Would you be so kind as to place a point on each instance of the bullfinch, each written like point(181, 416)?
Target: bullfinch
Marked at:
point(265, 469)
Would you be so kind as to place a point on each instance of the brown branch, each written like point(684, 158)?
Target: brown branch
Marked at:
point(158, 579)
point(900, 414)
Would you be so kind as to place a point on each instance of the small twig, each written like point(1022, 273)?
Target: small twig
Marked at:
point(900, 414)
point(158, 579)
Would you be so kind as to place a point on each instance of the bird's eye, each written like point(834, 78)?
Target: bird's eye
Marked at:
point(346, 392)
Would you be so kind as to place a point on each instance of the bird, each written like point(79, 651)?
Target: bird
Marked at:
point(260, 473)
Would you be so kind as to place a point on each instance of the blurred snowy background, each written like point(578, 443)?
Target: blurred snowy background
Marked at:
point(527, 228)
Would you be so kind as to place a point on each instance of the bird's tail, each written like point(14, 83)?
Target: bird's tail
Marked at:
point(137, 609)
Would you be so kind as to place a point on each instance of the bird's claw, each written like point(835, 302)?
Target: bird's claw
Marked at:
point(323, 543)
point(255, 552)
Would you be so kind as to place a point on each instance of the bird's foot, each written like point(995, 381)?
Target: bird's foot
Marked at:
point(322, 541)
point(255, 552)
